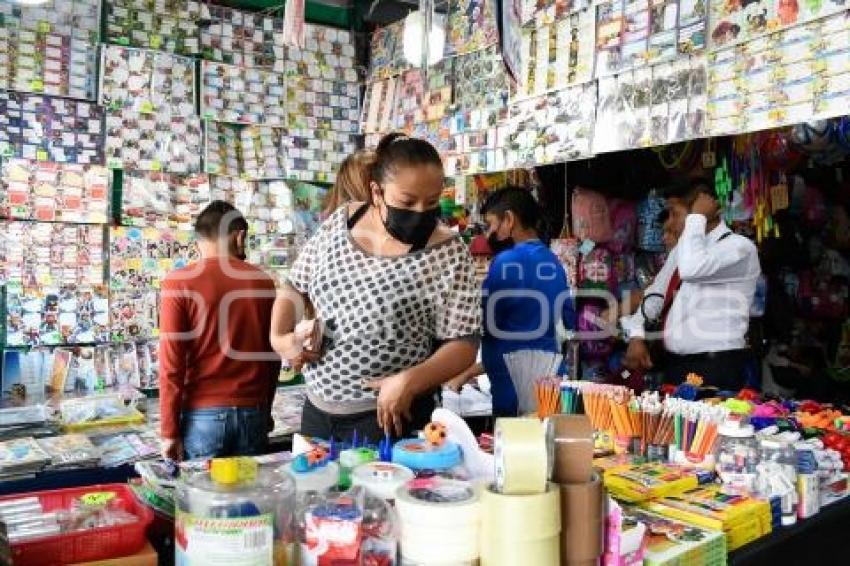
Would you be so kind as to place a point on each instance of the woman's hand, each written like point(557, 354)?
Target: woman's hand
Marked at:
point(395, 396)
point(298, 347)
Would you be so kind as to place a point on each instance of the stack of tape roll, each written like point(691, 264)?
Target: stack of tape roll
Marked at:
point(581, 492)
point(440, 522)
point(320, 480)
point(381, 479)
point(521, 519)
point(520, 529)
point(521, 456)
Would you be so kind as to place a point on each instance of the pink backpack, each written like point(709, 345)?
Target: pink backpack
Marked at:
point(591, 219)
point(624, 225)
point(596, 270)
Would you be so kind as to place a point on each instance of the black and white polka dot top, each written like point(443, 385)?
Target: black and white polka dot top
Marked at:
point(383, 314)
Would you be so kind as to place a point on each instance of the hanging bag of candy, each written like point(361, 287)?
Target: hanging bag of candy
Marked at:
point(650, 230)
point(597, 270)
point(624, 225)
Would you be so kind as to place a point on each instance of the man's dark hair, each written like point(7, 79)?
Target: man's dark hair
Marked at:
point(522, 203)
point(700, 186)
point(218, 219)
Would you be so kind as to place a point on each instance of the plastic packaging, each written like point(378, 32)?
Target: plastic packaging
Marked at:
point(737, 454)
point(238, 512)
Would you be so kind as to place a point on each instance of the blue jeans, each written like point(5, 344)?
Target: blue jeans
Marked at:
point(224, 431)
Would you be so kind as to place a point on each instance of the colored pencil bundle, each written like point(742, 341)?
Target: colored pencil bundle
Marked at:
point(526, 367)
point(600, 403)
point(547, 390)
point(695, 425)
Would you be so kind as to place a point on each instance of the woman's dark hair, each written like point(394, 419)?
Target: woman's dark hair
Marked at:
point(522, 203)
point(397, 150)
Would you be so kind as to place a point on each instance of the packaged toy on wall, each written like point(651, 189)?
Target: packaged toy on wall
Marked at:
point(386, 57)
point(471, 26)
point(42, 128)
point(245, 95)
point(162, 200)
point(50, 49)
point(151, 122)
point(56, 315)
point(242, 38)
point(173, 27)
point(51, 192)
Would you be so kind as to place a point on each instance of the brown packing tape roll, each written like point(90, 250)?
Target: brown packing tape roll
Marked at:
point(582, 521)
point(572, 438)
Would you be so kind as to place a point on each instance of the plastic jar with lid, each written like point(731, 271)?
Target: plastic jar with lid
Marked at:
point(737, 454)
point(238, 512)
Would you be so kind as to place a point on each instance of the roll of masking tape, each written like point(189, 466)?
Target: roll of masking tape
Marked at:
point(440, 521)
point(521, 455)
point(381, 479)
point(520, 529)
point(320, 480)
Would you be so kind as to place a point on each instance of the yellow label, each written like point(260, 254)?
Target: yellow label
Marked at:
point(43, 27)
point(134, 263)
point(156, 166)
point(97, 498)
point(146, 107)
point(37, 85)
point(41, 155)
point(156, 41)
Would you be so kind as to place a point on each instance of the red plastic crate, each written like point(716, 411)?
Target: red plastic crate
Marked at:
point(83, 546)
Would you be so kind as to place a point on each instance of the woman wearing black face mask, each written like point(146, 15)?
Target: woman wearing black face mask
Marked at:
point(525, 292)
point(395, 293)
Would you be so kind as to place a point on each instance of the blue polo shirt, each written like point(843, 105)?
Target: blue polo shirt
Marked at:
point(525, 292)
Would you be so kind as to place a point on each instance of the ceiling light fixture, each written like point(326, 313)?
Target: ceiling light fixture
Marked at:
point(414, 43)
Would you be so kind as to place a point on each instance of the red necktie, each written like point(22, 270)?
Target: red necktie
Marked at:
point(670, 296)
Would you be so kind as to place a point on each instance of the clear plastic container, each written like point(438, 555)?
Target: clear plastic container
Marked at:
point(778, 458)
point(737, 455)
point(236, 513)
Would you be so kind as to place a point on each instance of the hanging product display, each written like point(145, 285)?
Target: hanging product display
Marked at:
point(379, 107)
point(635, 33)
point(263, 152)
point(50, 49)
point(242, 38)
point(231, 93)
point(557, 50)
point(53, 315)
point(162, 200)
point(733, 22)
point(553, 128)
point(471, 26)
point(651, 106)
point(386, 57)
point(173, 27)
point(783, 78)
point(52, 192)
point(150, 119)
point(38, 254)
point(42, 128)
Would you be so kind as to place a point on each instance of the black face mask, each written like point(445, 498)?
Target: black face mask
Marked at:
point(410, 226)
point(498, 246)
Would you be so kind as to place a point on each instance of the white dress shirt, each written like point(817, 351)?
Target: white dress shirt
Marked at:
point(711, 310)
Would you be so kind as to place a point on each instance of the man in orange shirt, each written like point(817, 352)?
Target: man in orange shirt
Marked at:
point(218, 372)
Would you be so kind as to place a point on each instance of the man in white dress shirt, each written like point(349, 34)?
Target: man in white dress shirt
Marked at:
point(703, 295)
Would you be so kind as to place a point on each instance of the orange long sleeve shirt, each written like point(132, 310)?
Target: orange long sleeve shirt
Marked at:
point(215, 317)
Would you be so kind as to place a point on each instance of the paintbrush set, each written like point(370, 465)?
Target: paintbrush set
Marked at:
point(526, 368)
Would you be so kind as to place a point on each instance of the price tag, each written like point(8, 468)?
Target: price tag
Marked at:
point(43, 27)
point(156, 42)
point(146, 107)
point(37, 85)
point(41, 155)
point(156, 166)
point(97, 499)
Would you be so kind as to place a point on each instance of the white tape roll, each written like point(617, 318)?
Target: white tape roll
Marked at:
point(440, 521)
point(319, 480)
point(381, 479)
point(521, 456)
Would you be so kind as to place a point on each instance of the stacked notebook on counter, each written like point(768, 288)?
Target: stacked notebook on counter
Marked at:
point(21, 458)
